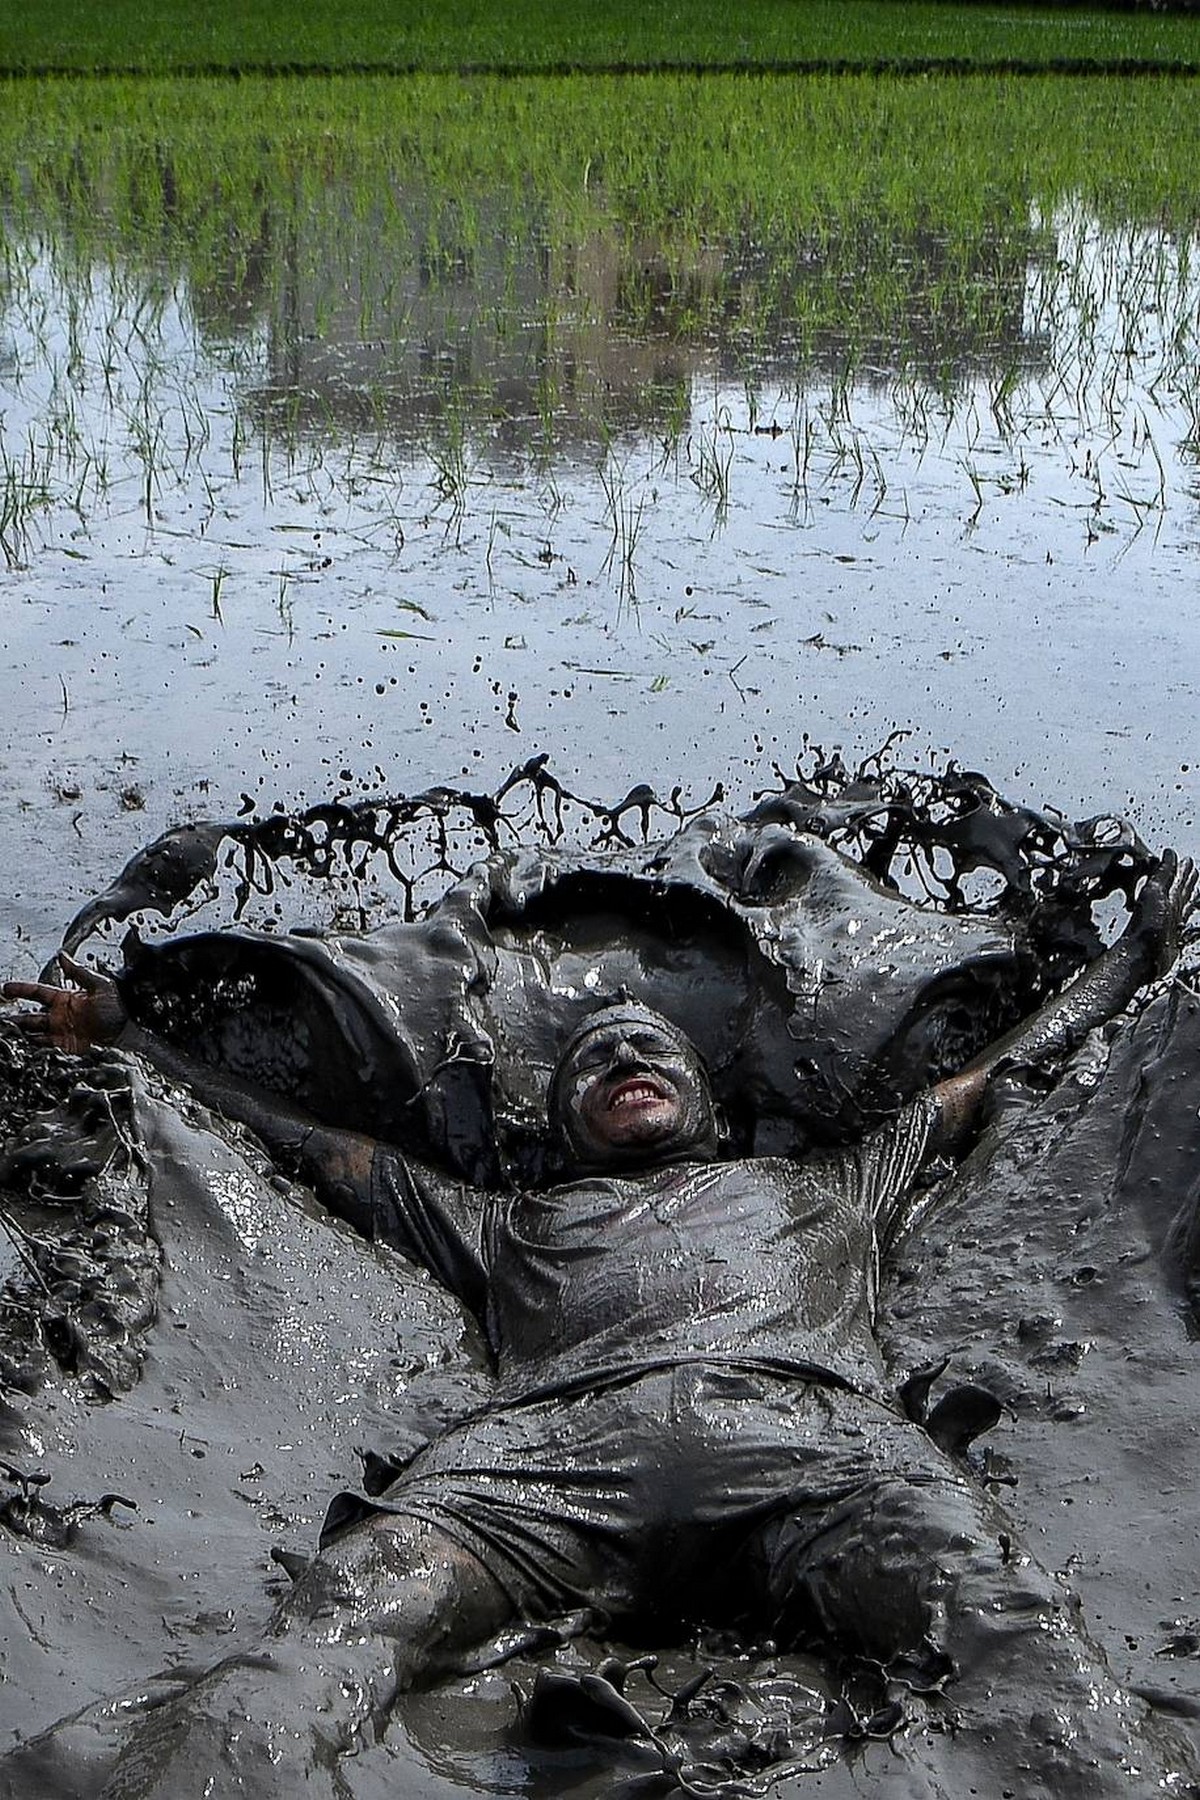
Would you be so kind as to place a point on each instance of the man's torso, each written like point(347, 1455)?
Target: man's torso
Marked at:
point(765, 1262)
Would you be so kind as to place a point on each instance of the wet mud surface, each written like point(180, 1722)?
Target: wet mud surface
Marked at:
point(196, 1357)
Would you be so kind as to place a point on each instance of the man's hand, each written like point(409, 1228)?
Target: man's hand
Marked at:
point(74, 1019)
point(1164, 908)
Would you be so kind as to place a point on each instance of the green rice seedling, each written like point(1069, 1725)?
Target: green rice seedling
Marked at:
point(540, 34)
point(217, 582)
point(710, 455)
point(448, 453)
point(624, 515)
point(972, 476)
point(1038, 233)
point(284, 607)
point(24, 491)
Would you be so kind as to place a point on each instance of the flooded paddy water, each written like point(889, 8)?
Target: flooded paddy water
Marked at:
point(360, 435)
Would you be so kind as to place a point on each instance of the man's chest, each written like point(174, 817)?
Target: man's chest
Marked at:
point(733, 1214)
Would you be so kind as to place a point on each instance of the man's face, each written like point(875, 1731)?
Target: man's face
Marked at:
point(631, 1091)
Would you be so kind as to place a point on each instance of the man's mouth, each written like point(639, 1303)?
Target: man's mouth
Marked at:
point(636, 1091)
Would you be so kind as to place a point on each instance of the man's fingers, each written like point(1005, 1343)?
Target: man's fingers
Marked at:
point(30, 990)
point(88, 979)
point(32, 1024)
point(45, 993)
point(1177, 875)
point(1183, 894)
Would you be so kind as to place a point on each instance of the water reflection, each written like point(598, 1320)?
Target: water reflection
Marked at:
point(425, 317)
point(562, 341)
point(398, 484)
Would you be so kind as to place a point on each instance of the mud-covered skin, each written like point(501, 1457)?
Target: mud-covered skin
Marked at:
point(801, 1522)
point(914, 1569)
point(358, 1627)
point(1148, 946)
point(362, 1625)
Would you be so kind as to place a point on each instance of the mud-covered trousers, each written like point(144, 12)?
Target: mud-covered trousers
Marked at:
point(714, 1495)
point(696, 1495)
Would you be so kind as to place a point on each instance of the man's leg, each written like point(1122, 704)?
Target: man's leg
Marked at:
point(925, 1575)
point(386, 1607)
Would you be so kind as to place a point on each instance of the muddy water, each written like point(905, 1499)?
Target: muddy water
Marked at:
point(276, 556)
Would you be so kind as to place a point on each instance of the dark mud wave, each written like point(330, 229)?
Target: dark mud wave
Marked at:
point(195, 1357)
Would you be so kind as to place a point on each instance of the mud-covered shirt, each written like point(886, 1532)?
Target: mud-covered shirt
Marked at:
point(765, 1262)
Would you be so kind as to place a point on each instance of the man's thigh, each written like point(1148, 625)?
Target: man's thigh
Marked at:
point(547, 1496)
point(890, 1563)
point(639, 1499)
point(629, 1497)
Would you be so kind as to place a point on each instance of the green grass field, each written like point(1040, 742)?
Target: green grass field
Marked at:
point(447, 35)
point(880, 189)
point(686, 154)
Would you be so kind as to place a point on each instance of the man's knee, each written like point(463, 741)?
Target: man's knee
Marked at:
point(960, 1557)
point(400, 1578)
point(380, 1552)
point(913, 1561)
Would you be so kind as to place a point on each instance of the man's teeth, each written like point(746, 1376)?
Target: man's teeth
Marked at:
point(630, 1096)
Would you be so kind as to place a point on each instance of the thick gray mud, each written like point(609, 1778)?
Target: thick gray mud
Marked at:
point(196, 1357)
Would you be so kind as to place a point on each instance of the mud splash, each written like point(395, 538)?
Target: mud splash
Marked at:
point(279, 1356)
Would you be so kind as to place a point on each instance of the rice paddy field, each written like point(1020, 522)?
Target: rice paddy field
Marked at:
point(366, 431)
point(479, 35)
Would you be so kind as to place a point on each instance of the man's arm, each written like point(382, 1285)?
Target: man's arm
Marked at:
point(1147, 947)
point(91, 1014)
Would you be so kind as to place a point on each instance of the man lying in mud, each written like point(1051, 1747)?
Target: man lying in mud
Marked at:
point(691, 1426)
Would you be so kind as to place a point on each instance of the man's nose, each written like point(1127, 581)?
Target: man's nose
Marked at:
point(625, 1054)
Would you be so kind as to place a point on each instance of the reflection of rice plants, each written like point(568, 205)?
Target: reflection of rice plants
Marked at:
point(863, 200)
point(545, 263)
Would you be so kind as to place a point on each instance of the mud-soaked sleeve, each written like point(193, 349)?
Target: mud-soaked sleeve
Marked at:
point(876, 1176)
point(436, 1221)
point(890, 1160)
